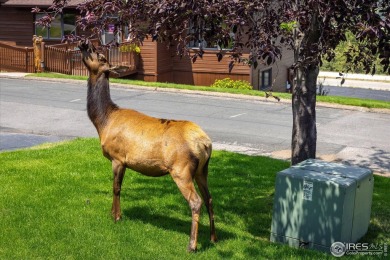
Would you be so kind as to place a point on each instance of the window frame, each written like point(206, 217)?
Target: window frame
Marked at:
point(269, 83)
point(197, 45)
point(48, 35)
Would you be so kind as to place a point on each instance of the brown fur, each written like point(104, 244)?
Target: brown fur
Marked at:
point(148, 145)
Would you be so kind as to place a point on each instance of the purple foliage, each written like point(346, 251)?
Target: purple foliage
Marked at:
point(256, 26)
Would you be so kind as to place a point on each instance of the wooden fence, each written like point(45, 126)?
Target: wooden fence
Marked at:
point(61, 58)
point(66, 59)
point(20, 59)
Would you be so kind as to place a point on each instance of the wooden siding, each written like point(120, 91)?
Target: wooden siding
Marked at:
point(148, 64)
point(204, 78)
point(164, 63)
point(155, 62)
point(158, 63)
point(16, 25)
point(164, 58)
point(207, 69)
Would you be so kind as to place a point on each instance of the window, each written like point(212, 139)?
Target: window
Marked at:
point(112, 33)
point(61, 25)
point(201, 30)
point(266, 78)
point(69, 21)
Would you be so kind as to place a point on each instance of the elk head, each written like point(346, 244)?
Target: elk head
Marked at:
point(95, 62)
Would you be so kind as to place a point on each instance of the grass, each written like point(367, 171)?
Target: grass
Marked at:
point(55, 204)
point(368, 103)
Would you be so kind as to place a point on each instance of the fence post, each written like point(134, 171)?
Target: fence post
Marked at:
point(26, 55)
point(70, 57)
point(43, 56)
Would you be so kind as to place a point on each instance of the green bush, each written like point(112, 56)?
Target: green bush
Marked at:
point(339, 62)
point(229, 83)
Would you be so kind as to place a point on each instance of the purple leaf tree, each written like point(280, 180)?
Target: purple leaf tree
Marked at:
point(311, 29)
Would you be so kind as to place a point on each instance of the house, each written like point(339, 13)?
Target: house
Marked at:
point(156, 63)
point(17, 22)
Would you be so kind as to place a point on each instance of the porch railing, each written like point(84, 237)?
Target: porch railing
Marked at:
point(62, 58)
point(66, 59)
point(13, 58)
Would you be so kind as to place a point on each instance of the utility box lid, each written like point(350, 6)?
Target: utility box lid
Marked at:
point(318, 203)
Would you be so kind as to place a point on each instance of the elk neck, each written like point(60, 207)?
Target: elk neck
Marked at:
point(99, 103)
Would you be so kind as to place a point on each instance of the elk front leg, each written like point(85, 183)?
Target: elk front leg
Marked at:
point(119, 171)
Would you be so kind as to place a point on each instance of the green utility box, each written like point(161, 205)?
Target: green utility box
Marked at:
point(318, 203)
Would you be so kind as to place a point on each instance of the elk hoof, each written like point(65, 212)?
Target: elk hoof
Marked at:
point(116, 216)
point(191, 249)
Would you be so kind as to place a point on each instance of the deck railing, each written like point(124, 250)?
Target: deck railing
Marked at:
point(62, 58)
point(20, 59)
point(66, 59)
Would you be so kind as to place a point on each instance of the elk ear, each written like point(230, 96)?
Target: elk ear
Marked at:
point(116, 71)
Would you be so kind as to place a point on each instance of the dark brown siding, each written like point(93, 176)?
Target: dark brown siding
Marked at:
point(147, 66)
point(207, 69)
point(16, 25)
point(164, 63)
point(158, 63)
point(155, 62)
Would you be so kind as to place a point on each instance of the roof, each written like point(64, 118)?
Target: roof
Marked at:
point(34, 3)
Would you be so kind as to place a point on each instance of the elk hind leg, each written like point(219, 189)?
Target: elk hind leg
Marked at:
point(201, 180)
point(184, 181)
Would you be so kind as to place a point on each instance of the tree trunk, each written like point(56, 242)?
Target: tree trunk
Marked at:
point(304, 134)
point(306, 57)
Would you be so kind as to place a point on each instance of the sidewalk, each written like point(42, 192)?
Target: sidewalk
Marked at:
point(328, 74)
point(362, 81)
point(13, 75)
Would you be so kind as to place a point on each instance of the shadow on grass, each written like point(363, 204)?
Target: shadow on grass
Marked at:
point(144, 215)
point(242, 190)
point(246, 192)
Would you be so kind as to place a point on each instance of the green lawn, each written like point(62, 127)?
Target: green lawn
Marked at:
point(55, 204)
point(368, 103)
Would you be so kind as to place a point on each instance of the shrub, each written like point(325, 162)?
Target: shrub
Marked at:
point(229, 83)
point(130, 48)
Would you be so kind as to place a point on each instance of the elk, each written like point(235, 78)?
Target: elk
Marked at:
point(148, 145)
